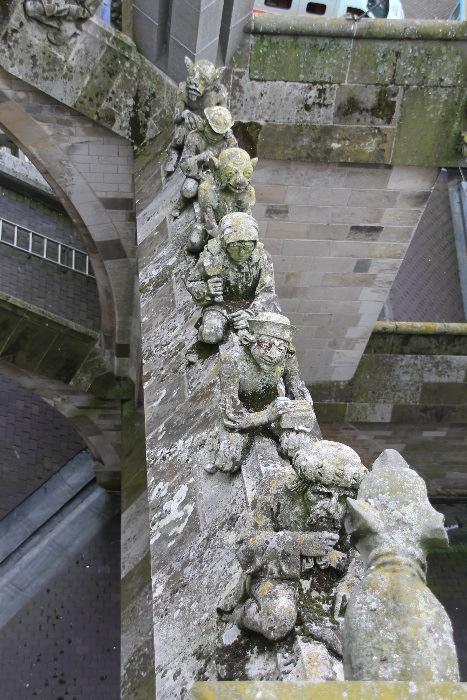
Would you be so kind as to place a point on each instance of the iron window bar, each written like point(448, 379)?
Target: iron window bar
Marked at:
point(41, 246)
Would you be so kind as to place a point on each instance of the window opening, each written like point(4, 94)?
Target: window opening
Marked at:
point(316, 8)
point(22, 239)
point(279, 4)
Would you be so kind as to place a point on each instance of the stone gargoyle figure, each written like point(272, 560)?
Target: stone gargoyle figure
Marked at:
point(261, 388)
point(61, 16)
point(233, 278)
point(227, 188)
point(202, 88)
point(213, 135)
point(394, 627)
point(266, 597)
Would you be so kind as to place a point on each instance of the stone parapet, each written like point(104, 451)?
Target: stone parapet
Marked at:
point(365, 88)
point(409, 373)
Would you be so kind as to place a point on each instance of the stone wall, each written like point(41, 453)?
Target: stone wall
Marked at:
point(97, 70)
point(329, 90)
point(333, 111)
point(35, 441)
point(427, 286)
point(409, 376)
point(90, 171)
point(337, 235)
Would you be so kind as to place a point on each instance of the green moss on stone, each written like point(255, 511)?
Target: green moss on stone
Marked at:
point(136, 580)
point(332, 144)
point(299, 59)
point(429, 127)
point(373, 62)
point(431, 63)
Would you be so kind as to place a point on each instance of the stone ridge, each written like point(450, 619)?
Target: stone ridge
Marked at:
point(338, 27)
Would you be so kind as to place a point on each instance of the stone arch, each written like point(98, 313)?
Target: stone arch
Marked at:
point(62, 363)
point(90, 170)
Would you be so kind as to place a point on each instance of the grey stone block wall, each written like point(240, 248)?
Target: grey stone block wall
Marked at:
point(35, 441)
point(337, 235)
point(33, 214)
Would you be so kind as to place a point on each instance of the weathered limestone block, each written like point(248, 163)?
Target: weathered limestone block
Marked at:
point(394, 627)
point(348, 690)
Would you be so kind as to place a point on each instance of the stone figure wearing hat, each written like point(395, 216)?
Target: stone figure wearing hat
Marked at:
point(261, 388)
point(201, 89)
point(233, 278)
point(208, 140)
point(227, 188)
point(268, 597)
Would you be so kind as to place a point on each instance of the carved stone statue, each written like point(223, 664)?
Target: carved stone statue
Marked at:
point(268, 599)
point(60, 15)
point(201, 89)
point(272, 565)
point(261, 387)
point(394, 628)
point(233, 278)
point(227, 188)
point(212, 136)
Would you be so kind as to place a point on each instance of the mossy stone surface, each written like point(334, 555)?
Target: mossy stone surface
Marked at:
point(333, 144)
point(429, 128)
point(366, 104)
point(431, 63)
point(299, 59)
point(373, 62)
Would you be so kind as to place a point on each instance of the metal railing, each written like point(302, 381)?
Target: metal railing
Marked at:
point(46, 248)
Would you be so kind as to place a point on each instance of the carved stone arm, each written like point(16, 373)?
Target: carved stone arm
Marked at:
point(196, 283)
point(294, 384)
point(265, 290)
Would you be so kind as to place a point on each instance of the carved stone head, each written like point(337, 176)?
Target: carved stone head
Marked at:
point(392, 513)
point(234, 169)
point(331, 472)
point(238, 235)
point(201, 77)
point(272, 335)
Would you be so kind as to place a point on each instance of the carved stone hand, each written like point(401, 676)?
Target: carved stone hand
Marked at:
point(239, 320)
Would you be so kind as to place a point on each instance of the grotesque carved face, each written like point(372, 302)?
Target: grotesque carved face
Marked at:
point(326, 509)
point(201, 76)
point(239, 251)
point(268, 352)
point(235, 169)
